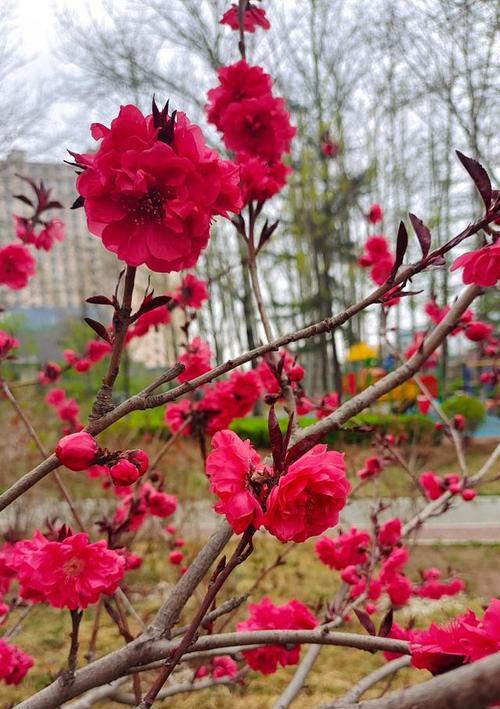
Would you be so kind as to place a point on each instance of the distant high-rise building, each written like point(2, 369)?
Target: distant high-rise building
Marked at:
point(72, 271)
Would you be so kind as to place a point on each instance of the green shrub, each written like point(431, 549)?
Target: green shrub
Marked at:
point(414, 425)
point(470, 407)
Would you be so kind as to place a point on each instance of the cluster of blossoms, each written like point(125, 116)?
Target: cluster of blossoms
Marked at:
point(378, 257)
point(255, 125)
point(137, 505)
point(67, 409)
point(351, 554)
point(267, 616)
point(463, 640)
point(434, 486)
point(66, 573)
point(253, 17)
point(95, 351)
point(14, 663)
point(153, 187)
point(50, 232)
point(79, 451)
point(17, 264)
point(221, 403)
point(302, 500)
point(222, 666)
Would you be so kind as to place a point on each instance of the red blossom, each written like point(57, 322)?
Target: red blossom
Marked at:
point(375, 214)
point(481, 267)
point(477, 331)
point(328, 404)
point(69, 574)
point(390, 532)
point(253, 17)
point(151, 198)
point(7, 344)
point(192, 292)
point(197, 360)
point(261, 179)
point(14, 663)
point(308, 497)
point(176, 558)
point(267, 616)
point(345, 550)
point(17, 266)
point(230, 467)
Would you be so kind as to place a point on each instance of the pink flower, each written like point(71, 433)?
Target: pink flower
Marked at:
point(14, 663)
point(56, 397)
point(224, 666)
point(196, 359)
point(238, 82)
point(96, 350)
point(477, 331)
point(69, 574)
point(390, 532)
point(161, 505)
point(7, 344)
point(153, 187)
point(24, 229)
point(77, 451)
point(253, 17)
point(375, 214)
point(176, 416)
point(147, 321)
point(481, 267)
point(373, 467)
point(230, 467)
point(468, 494)
point(192, 292)
point(345, 550)
point(309, 496)
point(399, 590)
point(82, 365)
point(260, 179)
point(50, 373)
point(329, 148)
point(258, 126)
point(176, 558)
point(328, 404)
point(17, 266)
point(382, 270)
point(52, 231)
point(267, 616)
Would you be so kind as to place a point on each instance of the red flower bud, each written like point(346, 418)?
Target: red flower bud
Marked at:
point(77, 451)
point(139, 458)
point(176, 557)
point(468, 494)
point(124, 473)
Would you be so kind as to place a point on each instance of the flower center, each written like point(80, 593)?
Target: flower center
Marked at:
point(74, 566)
point(149, 208)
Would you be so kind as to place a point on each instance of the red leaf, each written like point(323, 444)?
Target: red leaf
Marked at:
point(153, 303)
point(99, 329)
point(79, 202)
point(401, 246)
point(365, 621)
point(386, 624)
point(276, 439)
point(479, 176)
point(24, 199)
point(423, 234)
point(99, 300)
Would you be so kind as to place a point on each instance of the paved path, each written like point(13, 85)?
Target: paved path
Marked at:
point(477, 521)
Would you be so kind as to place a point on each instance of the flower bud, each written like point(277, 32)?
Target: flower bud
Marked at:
point(468, 494)
point(176, 557)
point(77, 451)
point(124, 473)
point(139, 458)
